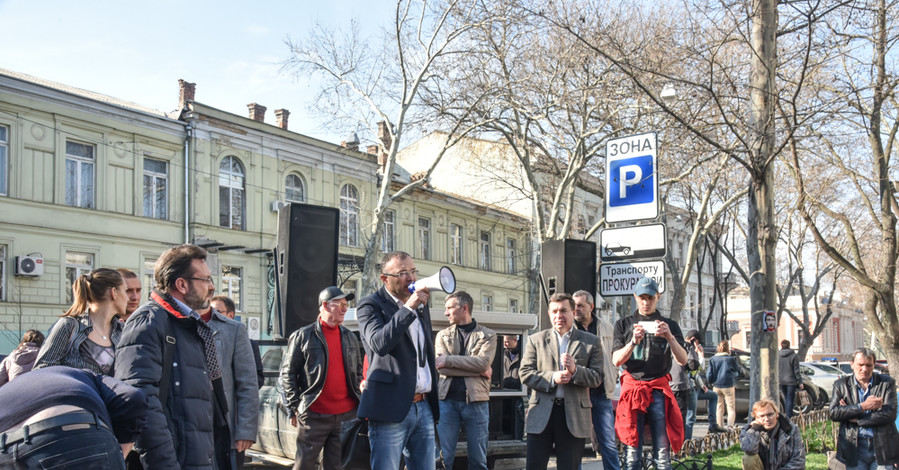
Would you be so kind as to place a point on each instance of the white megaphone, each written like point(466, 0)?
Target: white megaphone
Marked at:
point(442, 280)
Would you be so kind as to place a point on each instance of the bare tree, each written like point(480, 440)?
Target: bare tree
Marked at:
point(861, 153)
point(378, 85)
point(731, 107)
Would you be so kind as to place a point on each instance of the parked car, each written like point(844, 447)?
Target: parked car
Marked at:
point(821, 374)
point(817, 396)
point(846, 367)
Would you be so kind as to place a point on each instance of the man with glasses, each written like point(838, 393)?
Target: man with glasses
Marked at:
point(168, 352)
point(864, 404)
point(400, 397)
point(320, 374)
point(771, 441)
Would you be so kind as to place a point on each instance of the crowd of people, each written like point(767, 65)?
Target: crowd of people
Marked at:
point(171, 383)
point(111, 369)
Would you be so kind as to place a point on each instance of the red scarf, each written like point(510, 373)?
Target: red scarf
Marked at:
point(635, 398)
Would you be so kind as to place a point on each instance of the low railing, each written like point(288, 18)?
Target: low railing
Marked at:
point(690, 457)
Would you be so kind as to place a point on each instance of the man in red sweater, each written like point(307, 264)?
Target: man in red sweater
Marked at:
point(320, 375)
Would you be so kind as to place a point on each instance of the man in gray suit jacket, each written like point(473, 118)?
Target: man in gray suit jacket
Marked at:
point(238, 375)
point(560, 365)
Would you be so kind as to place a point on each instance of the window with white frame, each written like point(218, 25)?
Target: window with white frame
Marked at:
point(511, 253)
point(232, 193)
point(513, 305)
point(80, 166)
point(232, 284)
point(147, 277)
point(3, 264)
point(487, 303)
point(388, 236)
point(156, 188)
point(349, 215)
point(77, 263)
point(456, 244)
point(484, 251)
point(294, 189)
point(4, 160)
point(424, 238)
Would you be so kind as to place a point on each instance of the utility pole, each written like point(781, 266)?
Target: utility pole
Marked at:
point(762, 231)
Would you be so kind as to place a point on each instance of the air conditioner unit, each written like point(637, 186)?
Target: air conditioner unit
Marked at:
point(29, 265)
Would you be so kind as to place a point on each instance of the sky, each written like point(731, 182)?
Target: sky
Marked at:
point(137, 51)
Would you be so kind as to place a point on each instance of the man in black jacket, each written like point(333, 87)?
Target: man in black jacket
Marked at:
point(788, 376)
point(320, 375)
point(865, 406)
point(188, 414)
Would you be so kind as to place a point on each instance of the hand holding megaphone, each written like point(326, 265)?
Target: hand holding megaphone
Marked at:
point(442, 280)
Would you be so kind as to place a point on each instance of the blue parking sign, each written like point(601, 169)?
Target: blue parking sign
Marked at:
point(632, 181)
point(632, 186)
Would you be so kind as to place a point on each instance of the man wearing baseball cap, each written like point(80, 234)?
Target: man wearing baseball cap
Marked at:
point(320, 374)
point(644, 345)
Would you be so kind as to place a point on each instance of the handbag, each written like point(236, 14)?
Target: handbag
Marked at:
point(355, 449)
point(803, 398)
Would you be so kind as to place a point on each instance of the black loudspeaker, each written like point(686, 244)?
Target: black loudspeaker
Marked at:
point(568, 266)
point(305, 262)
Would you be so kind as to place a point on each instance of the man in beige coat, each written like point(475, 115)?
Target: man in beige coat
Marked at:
point(560, 365)
point(464, 353)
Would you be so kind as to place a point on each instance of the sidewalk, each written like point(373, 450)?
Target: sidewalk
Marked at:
point(595, 463)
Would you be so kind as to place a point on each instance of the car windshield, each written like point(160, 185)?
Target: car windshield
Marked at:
point(829, 369)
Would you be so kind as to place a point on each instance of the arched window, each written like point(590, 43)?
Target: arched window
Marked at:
point(349, 215)
point(232, 193)
point(294, 190)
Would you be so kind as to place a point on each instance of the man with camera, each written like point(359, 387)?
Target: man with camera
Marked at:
point(644, 345)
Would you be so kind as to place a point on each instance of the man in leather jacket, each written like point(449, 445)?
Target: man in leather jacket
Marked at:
point(320, 375)
point(865, 406)
point(771, 441)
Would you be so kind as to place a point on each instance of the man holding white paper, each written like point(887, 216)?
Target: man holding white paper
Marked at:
point(644, 345)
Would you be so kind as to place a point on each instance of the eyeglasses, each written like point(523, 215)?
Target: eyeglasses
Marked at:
point(767, 416)
point(337, 304)
point(412, 273)
point(207, 279)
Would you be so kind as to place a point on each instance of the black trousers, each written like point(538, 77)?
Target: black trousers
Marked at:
point(569, 449)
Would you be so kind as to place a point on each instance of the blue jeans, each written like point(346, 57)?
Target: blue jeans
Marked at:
point(604, 426)
point(789, 392)
point(661, 448)
point(93, 447)
point(476, 417)
point(690, 418)
point(866, 458)
point(413, 438)
point(711, 407)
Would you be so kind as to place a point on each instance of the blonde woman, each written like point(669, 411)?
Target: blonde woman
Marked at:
point(723, 371)
point(86, 335)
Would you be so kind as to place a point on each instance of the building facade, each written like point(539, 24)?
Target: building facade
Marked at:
point(843, 333)
point(90, 181)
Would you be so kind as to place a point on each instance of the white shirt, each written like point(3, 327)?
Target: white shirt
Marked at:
point(563, 340)
point(417, 334)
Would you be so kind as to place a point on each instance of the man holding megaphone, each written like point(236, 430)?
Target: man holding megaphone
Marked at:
point(401, 405)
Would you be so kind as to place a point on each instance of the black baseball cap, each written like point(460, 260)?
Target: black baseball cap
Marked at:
point(333, 293)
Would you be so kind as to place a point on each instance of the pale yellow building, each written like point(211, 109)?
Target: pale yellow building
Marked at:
point(88, 180)
point(843, 333)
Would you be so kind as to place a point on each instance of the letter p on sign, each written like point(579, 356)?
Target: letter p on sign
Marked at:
point(634, 180)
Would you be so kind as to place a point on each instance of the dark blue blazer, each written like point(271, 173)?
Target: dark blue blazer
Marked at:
point(390, 384)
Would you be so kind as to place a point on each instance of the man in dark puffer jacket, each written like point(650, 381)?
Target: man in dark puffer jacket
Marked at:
point(185, 433)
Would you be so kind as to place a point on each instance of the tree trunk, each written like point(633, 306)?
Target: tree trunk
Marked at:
point(762, 234)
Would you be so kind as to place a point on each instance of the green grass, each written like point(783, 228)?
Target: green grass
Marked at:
point(818, 437)
point(732, 459)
